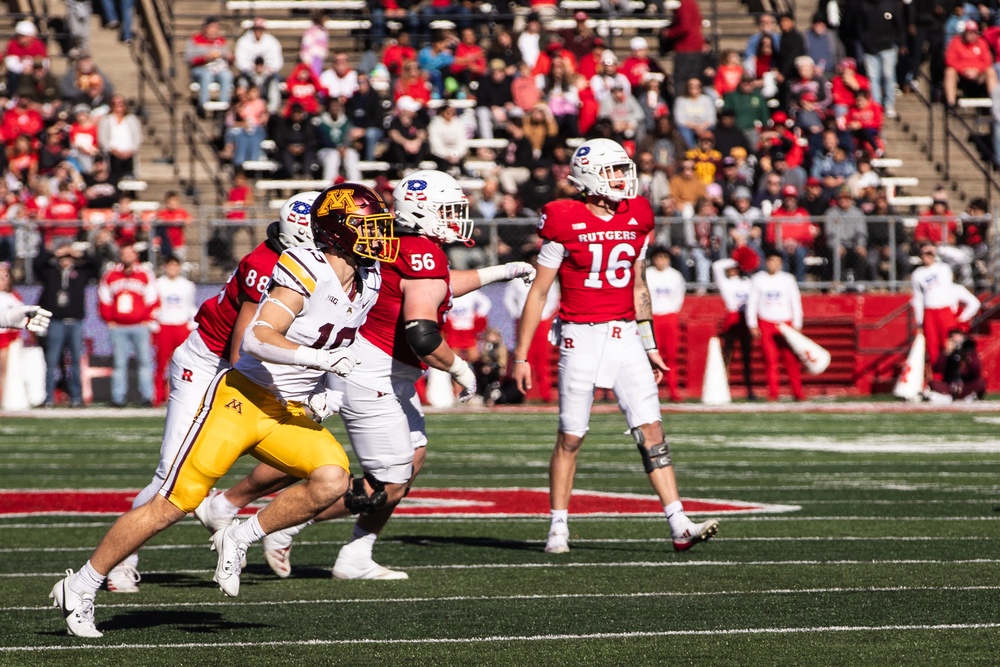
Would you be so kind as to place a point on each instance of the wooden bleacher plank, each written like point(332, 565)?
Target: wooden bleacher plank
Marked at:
point(299, 25)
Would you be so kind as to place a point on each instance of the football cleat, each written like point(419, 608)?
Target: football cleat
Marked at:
point(347, 567)
point(77, 608)
point(558, 542)
point(231, 556)
point(697, 532)
point(208, 518)
point(123, 579)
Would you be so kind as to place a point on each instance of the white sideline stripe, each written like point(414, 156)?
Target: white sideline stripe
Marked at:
point(533, 566)
point(596, 540)
point(534, 519)
point(554, 596)
point(516, 638)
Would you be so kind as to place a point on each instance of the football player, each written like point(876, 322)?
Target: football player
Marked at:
point(596, 246)
point(304, 327)
point(402, 337)
point(215, 346)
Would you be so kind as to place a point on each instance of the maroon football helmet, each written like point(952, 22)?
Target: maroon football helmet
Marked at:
point(355, 220)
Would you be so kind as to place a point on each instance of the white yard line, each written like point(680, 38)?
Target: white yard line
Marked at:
point(644, 564)
point(557, 596)
point(513, 638)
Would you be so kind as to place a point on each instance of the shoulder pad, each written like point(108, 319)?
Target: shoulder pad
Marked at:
point(419, 257)
point(555, 218)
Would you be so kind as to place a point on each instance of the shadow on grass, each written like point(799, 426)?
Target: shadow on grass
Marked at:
point(458, 540)
point(196, 622)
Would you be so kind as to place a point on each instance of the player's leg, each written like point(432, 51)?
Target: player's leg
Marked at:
point(388, 435)
point(769, 346)
point(933, 334)
point(579, 358)
point(635, 389)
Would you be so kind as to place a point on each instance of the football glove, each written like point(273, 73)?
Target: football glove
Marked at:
point(319, 407)
point(522, 270)
point(462, 373)
point(340, 360)
point(33, 318)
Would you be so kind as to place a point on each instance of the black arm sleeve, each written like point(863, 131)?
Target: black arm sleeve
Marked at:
point(424, 336)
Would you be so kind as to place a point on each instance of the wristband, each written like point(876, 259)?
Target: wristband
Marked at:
point(646, 335)
point(519, 361)
point(306, 356)
point(491, 274)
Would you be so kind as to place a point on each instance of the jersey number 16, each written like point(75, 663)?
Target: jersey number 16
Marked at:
point(617, 271)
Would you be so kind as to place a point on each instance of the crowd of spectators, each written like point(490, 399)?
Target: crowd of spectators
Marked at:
point(792, 123)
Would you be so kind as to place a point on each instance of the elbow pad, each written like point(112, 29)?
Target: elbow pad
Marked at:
point(424, 336)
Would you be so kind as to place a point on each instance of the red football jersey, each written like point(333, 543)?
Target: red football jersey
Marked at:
point(419, 258)
point(596, 275)
point(217, 316)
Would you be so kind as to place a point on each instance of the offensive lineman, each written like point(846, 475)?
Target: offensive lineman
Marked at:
point(379, 405)
point(315, 302)
point(215, 346)
point(597, 248)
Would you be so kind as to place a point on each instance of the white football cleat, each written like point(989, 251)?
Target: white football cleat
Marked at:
point(347, 567)
point(208, 518)
point(698, 532)
point(231, 556)
point(123, 579)
point(558, 542)
point(77, 608)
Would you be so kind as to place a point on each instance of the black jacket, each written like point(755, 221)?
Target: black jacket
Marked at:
point(50, 275)
point(880, 25)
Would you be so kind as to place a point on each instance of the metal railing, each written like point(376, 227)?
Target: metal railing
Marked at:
point(198, 144)
point(155, 83)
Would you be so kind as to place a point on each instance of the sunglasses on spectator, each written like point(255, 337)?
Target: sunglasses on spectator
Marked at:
point(927, 253)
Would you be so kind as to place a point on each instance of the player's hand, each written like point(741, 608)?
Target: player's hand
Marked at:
point(755, 332)
point(656, 362)
point(38, 321)
point(32, 318)
point(462, 373)
point(319, 407)
point(340, 360)
point(154, 327)
point(522, 270)
point(522, 377)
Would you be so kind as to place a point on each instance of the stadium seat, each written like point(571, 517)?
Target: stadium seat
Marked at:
point(299, 25)
point(257, 5)
point(132, 185)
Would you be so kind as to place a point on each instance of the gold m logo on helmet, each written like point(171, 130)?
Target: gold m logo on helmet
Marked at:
point(340, 200)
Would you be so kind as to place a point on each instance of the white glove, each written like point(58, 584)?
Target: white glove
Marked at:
point(319, 406)
point(462, 373)
point(522, 270)
point(34, 319)
point(340, 360)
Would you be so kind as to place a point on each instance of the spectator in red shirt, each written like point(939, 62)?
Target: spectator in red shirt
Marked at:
point(864, 120)
point(83, 138)
point(797, 231)
point(639, 65)
point(209, 56)
point(397, 53)
point(21, 51)
point(22, 160)
point(61, 218)
point(21, 119)
point(413, 83)
point(968, 61)
point(932, 223)
point(554, 50)
point(470, 58)
point(304, 89)
point(846, 85)
point(579, 39)
point(729, 74)
point(685, 39)
point(127, 298)
point(171, 221)
point(591, 63)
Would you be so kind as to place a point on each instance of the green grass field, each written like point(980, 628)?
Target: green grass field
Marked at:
point(892, 557)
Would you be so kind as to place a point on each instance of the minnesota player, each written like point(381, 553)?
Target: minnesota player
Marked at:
point(315, 303)
point(597, 248)
point(775, 299)
point(732, 278)
point(215, 346)
point(378, 402)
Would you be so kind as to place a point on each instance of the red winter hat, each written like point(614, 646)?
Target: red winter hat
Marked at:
point(789, 191)
point(746, 259)
point(779, 117)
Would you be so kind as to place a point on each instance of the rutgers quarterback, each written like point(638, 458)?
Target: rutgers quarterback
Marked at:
point(596, 246)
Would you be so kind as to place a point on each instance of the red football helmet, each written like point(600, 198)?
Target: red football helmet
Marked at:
point(355, 220)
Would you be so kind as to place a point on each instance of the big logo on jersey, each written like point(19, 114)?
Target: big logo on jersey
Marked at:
point(340, 200)
point(420, 502)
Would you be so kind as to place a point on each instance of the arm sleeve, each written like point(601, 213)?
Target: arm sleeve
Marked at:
point(917, 301)
point(752, 306)
point(971, 303)
point(796, 304)
point(719, 268)
point(551, 254)
point(253, 346)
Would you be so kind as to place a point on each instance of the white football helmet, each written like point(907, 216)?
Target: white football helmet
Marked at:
point(593, 169)
point(432, 203)
point(294, 221)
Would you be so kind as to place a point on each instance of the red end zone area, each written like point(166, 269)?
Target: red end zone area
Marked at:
point(480, 503)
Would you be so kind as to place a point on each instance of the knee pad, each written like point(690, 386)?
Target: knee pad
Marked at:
point(653, 457)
